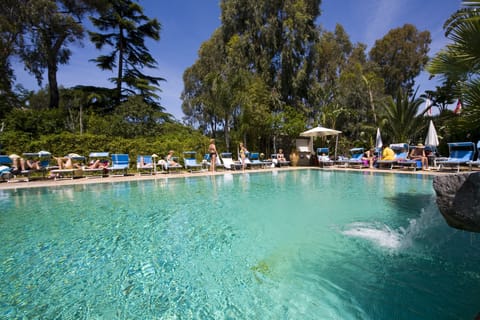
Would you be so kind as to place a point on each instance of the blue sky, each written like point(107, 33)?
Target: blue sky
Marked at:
point(186, 24)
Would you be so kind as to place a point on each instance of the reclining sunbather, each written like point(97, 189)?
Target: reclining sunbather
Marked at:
point(97, 164)
point(21, 164)
point(170, 160)
point(67, 163)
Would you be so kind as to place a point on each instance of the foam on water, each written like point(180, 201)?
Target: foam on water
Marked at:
point(381, 235)
point(395, 238)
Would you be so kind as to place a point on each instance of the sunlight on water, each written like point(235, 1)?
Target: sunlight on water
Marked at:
point(276, 245)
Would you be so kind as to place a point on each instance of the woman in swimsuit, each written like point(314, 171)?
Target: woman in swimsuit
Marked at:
point(212, 150)
point(243, 154)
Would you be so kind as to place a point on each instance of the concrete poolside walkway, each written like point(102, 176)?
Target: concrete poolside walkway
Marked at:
point(39, 182)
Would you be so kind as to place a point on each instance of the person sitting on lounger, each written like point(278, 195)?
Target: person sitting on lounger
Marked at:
point(279, 159)
point(170, 160)
point(369, 157)
point(388, 153)
point(323, 157)
point(281, 156)
point(419, 154)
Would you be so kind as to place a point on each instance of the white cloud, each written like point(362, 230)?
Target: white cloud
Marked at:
point(384, 16)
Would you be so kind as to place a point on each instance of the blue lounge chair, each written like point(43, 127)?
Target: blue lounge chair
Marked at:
point(401, 154)
point(356, 158)
point(476, 162)
point(190, 161)
point(323, 158)
point(6, 170)
point(460, 153)
point(145, 164)
point(120, 162)
point(255, 162)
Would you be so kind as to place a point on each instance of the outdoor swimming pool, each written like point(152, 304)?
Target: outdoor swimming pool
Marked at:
point(302, 244)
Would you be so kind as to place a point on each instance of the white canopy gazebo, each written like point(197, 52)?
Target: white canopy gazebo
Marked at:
point(321, 132)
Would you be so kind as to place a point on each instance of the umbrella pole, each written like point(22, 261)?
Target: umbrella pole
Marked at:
point(336, 145)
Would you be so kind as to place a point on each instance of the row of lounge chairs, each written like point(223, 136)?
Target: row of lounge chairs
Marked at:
point(461, 154)
point(119, 164)
point(190, 163)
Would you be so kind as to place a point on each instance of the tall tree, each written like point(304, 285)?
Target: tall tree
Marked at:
point(214, 88)
point(401, 56)
point(125, 28)
point(276, 39)
point(12, 17)
point(51, 27)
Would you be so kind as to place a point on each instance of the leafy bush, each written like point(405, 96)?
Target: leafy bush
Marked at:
point(64, 143)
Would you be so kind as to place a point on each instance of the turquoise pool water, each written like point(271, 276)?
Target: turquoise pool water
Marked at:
point(276, 245)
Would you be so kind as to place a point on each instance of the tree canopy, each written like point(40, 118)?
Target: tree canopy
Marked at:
point(458, 64)
point(125, 28)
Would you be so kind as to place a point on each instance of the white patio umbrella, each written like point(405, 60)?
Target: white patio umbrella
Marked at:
point(432, 138)
point(378, 140)
point(378, 143)
point(322, 132)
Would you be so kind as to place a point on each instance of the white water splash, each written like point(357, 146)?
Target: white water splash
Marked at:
point(381, 235)
point(386, 237)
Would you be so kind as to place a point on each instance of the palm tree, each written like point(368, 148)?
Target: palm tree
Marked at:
point(459, 61)
point(401, 121)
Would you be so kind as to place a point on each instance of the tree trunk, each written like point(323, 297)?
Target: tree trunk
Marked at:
point(52, 84)
point(120, 66)
point(226, 131)
point(370, 99)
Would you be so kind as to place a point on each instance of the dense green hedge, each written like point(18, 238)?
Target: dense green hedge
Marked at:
point(181, 139)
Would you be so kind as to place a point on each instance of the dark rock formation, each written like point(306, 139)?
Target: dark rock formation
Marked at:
point(458, 198)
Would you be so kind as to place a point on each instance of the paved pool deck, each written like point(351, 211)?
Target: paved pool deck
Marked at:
point(35, 182)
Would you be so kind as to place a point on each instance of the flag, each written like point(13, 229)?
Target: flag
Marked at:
point(458, 108)
point(428, 109)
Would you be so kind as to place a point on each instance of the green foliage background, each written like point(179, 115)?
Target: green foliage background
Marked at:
point(183, 139)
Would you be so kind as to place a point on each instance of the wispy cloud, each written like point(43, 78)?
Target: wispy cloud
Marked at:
point(383, 16)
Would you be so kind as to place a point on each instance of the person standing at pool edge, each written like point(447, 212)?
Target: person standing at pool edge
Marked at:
point(212, 150)
point(243, 154)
